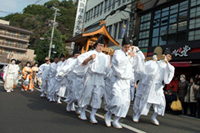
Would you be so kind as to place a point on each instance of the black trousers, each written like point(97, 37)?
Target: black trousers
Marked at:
point(198, 109)
point(193, 109)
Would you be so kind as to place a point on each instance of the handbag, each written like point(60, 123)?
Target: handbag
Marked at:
point(176, 105)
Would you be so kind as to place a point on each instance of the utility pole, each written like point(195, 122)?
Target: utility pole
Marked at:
point(52, 32)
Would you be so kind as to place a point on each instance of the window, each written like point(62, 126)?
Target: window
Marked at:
point(145, 26)
point(101, 8)
point(145, 30)
point(123, 1)
point(170, 24)
point(95, 9)
point(113, 4)
point(181, 34)
point(165, 12)
point(144, 34)
point(156, 32)
point(194, 35)
point(163, 36)
point(119, 2)
point(106, 6)
point(10, 43)
point(109, 5)
point(195, 12)
point(143, 43)
point(182, 16)
point(119, 33)
point(110, 29)
point(194, 3)
point(91, 12)
point(174, 9)
point(115, 31)
point(194, 22)
point(98, 8)
point(146, 17)
point(173, 18)
point(9, 33)
point(183, 6)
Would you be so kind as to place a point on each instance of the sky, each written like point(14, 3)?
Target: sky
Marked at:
point(14, 6)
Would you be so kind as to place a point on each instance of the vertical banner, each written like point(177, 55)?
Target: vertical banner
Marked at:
point(123, 29)
point(78, 26)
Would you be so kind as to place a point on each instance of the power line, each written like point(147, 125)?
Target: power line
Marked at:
point(6, 12)
point(37, 1)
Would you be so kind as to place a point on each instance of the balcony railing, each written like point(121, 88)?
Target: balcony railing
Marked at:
point(14, 45)
point(15, 36)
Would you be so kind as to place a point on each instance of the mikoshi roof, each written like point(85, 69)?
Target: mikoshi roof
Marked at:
point(93, 30)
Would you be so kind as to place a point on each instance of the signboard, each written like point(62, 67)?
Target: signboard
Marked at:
point(78, 26)
point(123, 29)
point(182, 51)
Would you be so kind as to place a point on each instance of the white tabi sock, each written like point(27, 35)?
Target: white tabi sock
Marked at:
point(116, 122)
point(72, 107)
point(78, 110)
point(108, 118)
point(136, 117)
point(58, 101)
point(83, 115)
point(68, 108)
point(92, 115)
point(154, 120)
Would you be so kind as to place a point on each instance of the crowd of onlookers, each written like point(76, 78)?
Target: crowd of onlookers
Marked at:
point(187, 90)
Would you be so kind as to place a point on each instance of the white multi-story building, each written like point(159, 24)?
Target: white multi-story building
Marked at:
point(117, 24)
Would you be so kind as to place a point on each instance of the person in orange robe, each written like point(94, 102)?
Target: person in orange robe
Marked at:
point(27, 78)
point(35, 71)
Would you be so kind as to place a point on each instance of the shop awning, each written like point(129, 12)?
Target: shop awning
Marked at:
point(181, 64)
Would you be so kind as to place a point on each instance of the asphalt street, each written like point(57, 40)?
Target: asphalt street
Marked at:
point(26, 112)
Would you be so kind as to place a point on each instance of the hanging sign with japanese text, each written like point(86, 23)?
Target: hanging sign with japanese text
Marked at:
point(78, 26)
point(182, 51)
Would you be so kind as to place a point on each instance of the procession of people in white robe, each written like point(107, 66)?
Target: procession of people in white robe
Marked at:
point(85, 79)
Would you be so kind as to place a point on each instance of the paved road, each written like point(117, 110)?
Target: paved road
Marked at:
point(26, 112)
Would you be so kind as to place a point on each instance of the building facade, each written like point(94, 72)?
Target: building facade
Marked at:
point(174, 24)
point(117, 24)
point(14, 43)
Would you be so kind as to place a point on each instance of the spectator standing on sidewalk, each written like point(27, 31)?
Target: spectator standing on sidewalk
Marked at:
point(197, 98)
point(190, 96)
point(182, 91)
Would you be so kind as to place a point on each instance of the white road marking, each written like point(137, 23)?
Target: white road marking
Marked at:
point(102, 117)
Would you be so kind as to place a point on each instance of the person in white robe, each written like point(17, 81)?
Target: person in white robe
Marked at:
point(121, 77)
point(43, 73)
point(10, 75)
point(146, 79)
point(18, 63)
point(59, 81)
point(163, 75)
point(108, 89)
point(108, 83)
point(51, 91)
point(75, 82)
point(138, 68)
point(96, 65)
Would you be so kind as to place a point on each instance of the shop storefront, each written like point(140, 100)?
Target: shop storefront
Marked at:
point(176, 25)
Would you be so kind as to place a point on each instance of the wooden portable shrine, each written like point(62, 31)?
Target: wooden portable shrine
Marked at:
point(87, 39)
